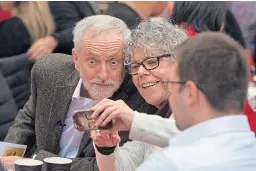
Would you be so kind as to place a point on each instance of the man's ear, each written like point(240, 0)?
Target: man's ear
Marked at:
point(191, 93)
point(75, 59)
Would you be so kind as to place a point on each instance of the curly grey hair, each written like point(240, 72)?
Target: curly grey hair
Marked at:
point(156, 37)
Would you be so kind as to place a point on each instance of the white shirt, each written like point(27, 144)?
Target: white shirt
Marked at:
point(71, 138)
point(220, 144)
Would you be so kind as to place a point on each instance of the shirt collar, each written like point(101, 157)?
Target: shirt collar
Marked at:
point(232, 123)
point(76, 94)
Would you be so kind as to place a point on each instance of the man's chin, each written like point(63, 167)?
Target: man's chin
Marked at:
point(99, 95)
point(99, 91)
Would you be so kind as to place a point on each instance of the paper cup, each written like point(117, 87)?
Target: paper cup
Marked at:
point(57, 164)
point(28, 165)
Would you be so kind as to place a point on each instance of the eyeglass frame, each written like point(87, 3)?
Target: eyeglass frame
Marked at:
point(181, 82)
point(141, 63)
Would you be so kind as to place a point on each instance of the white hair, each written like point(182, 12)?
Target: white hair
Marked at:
point(99, 23)
point(157, 31)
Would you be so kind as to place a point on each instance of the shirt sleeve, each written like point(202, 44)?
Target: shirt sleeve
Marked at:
point(153, 129)
point(127, 157)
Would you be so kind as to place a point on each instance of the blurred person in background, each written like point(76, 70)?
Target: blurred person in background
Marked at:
point(4, 15)
point(167, 10)
point(244, 12)
point(199, 16)
point(41, 27)
point(8, 107)
point(30, 22)
point(133, 12)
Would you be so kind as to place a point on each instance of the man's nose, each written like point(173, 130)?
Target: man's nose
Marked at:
point(103, 73)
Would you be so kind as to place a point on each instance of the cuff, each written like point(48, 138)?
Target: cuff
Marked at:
point(137, 128)
point(105, 150)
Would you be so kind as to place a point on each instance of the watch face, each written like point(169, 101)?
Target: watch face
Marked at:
point(84, 122)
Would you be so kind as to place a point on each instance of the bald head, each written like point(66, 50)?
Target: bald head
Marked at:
point(218, 65)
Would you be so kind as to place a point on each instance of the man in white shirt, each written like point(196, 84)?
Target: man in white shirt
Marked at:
point(208, 85)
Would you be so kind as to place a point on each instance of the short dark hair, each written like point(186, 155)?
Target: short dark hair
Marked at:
point(218, 66)
point(202, 15)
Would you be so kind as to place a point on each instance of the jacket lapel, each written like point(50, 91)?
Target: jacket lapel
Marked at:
point(62, 99)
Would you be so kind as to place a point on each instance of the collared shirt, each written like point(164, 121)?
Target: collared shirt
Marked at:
point(71, 138)
point(220, 144)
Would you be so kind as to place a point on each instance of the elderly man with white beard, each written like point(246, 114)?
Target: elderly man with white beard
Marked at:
point(62, 84)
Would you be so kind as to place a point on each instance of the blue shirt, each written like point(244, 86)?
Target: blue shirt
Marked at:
point(71, 138)
point(220, 144)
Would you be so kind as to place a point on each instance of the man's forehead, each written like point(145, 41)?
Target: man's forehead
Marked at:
point(90, 52)
point(92, 34)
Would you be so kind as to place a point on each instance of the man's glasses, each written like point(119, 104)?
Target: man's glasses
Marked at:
point(174, 82)
point(180, 82)
point(148, 63)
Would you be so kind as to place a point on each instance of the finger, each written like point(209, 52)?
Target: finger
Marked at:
point(36, 53)
point(113, 115)
point(39, 54)
point(99, 141)
point(93, 135)
point(108, 140)
point(34, 46)
point(106, 137)
point(105, 114)
point(102, 103)
point(115, 138)
point(106, 131)
point(100, 107)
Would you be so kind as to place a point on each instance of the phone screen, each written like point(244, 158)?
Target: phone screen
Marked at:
point(84, 122)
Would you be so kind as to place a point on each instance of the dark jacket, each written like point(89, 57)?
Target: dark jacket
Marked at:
point(16, 70)
point(37, 125)
point(66, 14)
point(8, 107)
point(14, 37)
point(125, 13)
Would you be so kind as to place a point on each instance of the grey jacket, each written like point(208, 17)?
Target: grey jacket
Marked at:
point(39, 123)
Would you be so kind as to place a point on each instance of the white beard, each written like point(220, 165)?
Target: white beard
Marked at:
point(97, 92)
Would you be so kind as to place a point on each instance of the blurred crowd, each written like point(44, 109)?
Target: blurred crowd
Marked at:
point(39, 53)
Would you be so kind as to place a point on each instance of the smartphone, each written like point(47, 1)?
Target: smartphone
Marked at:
point(84, 122)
